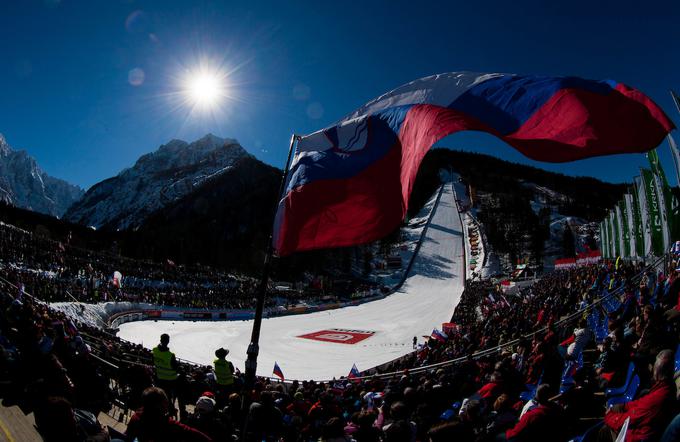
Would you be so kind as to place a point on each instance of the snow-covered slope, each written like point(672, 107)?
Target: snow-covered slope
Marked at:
point(427, 299)
point(24, 184)
point(577, 231)
point(156, 179)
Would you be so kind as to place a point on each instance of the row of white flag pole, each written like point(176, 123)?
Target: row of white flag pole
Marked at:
point(646, 221)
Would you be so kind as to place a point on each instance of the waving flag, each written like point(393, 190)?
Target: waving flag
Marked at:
point(117, 279)
point(277, 371)
point(354, 372)
point(350, 183)
point(438, 335)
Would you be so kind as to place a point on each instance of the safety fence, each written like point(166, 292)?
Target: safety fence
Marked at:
point(115, 364)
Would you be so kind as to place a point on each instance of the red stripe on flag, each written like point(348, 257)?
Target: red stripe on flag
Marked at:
point(576, 124)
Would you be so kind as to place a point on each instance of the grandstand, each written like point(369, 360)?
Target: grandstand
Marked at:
point(580, 350)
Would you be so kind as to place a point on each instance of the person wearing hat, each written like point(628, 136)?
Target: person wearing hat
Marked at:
point(224, 373)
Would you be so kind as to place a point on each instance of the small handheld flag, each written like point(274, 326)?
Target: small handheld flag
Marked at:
point(438, 335)
point(277, 371)
point(354, 372)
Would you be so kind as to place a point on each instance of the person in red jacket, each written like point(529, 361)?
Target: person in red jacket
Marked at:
point(153, 423)
point(649, 414)
point(541, 423)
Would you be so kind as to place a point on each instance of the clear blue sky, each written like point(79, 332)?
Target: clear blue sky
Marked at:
point(68, 96)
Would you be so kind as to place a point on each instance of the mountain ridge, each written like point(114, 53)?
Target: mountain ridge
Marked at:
point(156, 179)
point(24, 184)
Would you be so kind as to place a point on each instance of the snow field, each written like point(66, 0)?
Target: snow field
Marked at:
point(426, 300)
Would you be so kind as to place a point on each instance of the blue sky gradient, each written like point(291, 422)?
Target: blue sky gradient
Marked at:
point(72, 92)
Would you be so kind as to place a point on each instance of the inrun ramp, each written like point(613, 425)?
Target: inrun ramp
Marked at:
point(368, 335)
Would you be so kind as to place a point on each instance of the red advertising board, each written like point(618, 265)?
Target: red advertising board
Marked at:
point(339, 335)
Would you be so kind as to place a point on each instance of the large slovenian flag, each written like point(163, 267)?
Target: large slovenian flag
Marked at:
point(350, 183)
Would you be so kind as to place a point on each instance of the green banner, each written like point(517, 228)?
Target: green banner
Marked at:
point(637, 225)
point(654, 211)
point(630, 224)
point(623, 223)
point(617, 235)
point(655, 163)
point(674, 213)
point(602, 239)
point(667, 198)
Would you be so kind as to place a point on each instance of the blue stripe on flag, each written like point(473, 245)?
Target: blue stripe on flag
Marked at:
point(505, 103)
point(383, 133)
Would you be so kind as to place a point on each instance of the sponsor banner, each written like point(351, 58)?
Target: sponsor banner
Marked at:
point(617, 232)
point(668, 204)
point(612, 235)
point(197, 315)
point(654, 211)
point(590, 257)
point(606, 239)
point(638, 228)
point(630, 224)
point(644, 215)
point(339, 335)
point(675, 154)
point(623, 228)
point(582, 259)
point(664, 209)
point(565, 263)
point(609, 245)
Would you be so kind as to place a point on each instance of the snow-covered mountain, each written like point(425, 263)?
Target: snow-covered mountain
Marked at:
point(567, 235)
point(156, 180)
point(24, 184)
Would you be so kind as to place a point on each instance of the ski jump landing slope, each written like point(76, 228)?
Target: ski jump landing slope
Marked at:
point(368, 335)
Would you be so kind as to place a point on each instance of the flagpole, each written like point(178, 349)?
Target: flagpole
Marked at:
point(675, 99)
point(253, 347)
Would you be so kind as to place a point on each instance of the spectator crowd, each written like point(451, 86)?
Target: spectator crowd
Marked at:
point(585, 351)
point(56, 271)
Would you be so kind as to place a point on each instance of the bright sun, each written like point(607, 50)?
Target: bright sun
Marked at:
point(205, 89)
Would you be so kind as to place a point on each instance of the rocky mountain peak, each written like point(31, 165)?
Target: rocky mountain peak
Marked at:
point(158, 178)
point(4, 147)
point(24, 184)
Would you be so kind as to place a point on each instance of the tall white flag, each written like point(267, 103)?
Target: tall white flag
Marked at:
point(618, 220)
point(675, 154)
point(665, 229)
point(628, 199)
point(644, 215)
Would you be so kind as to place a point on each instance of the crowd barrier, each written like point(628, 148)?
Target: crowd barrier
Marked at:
point(375, 372)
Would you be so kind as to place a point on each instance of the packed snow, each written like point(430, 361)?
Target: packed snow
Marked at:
point(425, 301)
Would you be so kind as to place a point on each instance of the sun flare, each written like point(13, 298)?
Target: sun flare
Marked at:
point(205, 88)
